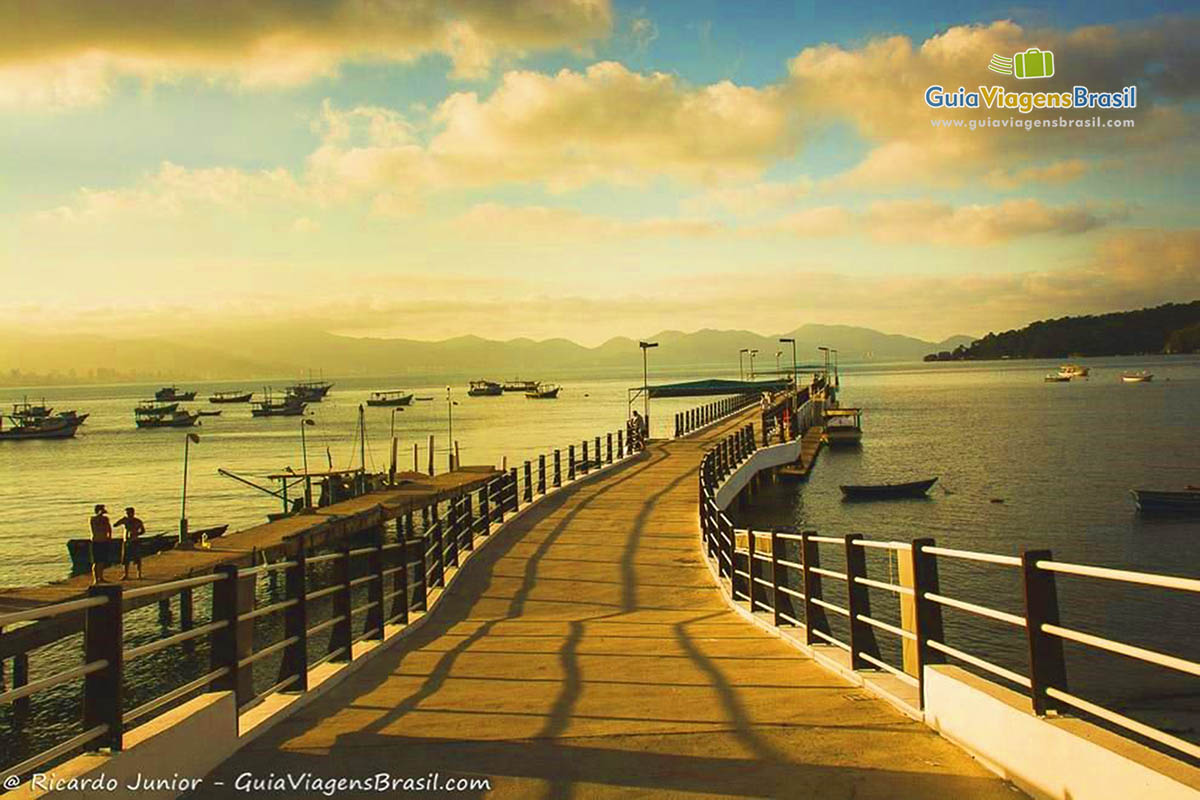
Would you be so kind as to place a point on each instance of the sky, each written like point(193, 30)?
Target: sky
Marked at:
point(585, 168)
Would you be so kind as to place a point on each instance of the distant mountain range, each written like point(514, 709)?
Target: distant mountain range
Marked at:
point(288, 352)
point(1169, 328)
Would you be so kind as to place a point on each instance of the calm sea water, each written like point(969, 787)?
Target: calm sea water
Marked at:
point(1061, 458)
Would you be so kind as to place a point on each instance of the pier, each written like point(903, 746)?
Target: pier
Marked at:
point(592, 624)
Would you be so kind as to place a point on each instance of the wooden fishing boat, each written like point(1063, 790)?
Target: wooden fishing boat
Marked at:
point(391, 397)
point(843, 426)
point(230, 397)
point(290, 406)
point(152, 408)
point(544, 391)
point(518, 385)
point(216, 413)
point(26, 410)
point(1073, 371)
point(1137, 377)
point(169, 393)
point(887, 491)
point(43, 428)
point(485, 389)
point(1055, 377)
point(310, 391)
point(176, 419)
point(109, 552)
point(1154, 502)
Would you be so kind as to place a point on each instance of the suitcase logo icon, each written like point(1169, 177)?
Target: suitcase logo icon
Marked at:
point(1033, 63)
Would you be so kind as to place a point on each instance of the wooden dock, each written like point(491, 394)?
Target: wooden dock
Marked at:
point(324, 525)
point(810, 445)
point(587, 652)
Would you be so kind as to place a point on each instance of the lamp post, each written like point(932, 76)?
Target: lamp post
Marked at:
point(393, 429)
point(741, 369)
point(825, 350)
point(183, 523)
point(835, 369)
point(778, 353)
point(304, 456)
point(792, 341)
point(646, 383)
point(753, 353)
point(450, 426)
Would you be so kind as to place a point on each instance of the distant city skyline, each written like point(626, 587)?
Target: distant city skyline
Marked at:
point(585, 169)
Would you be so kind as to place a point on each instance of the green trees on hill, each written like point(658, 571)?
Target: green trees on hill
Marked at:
point(1170, 328)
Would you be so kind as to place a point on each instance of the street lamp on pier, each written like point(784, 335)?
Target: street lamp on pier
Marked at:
point(792, 341)
point(183, 523)
point(304, 423)
point(646, 384)
point(741, 369)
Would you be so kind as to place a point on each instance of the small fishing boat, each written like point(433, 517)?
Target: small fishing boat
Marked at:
point(424, 399)
point(176, 419)
point(843, 426)
point(230, 397)
point(42, 428)
point(290, 406)
point(1073, 371)
point(544, 391)
point(153, 408)
point(1056, 377)
point(1155, 502)
point(887, 491)
point(109, 552)
point(485, 389)
point(26, 410)
point(391, 397)
point(169, 393)
point(518, 385)
point(1137, 377)
point(216, 413)
point(310, 391)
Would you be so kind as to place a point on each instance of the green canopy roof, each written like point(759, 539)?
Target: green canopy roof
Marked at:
point(715, 386)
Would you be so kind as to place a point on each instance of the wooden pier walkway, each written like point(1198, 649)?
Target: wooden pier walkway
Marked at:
point(324, 524)
point(586, 652)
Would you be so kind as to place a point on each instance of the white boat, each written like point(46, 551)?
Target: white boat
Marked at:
point(1073, 371)
point(1137, 377)
point(1057, 377)
point(843, 426)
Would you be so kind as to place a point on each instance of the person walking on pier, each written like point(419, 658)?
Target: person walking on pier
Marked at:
point(133, 532)
point(101, 533)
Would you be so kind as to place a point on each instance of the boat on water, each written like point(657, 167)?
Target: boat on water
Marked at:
point(888, 491)
point(40, 428)
point(310, 391)
point(216, 413)
point(843, 426)
point(424, 399)
point(26, 410)
point(1137, 377)
point(168, 394)
point(485, 389)
point(518, 385)
point(1057, 377)
point(543, 391)
point(109, 552)
point(175, 419)
point(1073, 371)
point(1149, 501)
point(153, 408)
point(230, 397)
point(390, 397)
point(290, 406)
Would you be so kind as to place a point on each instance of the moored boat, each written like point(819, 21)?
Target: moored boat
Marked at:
point(390, 397)
point(544, 391)
point(1137, 377)
point(41, 428)
point(884, 491)
point(290, 406)
point(1155, 502)
point(518, 385)
point(1056, 377)
point(153, 408)
point(485, 389)
point(230, 397)
point(175, 419)
point(843, 426)
point(82, 551)
point(1073, 371)
point(310, 391)
point(171, 393)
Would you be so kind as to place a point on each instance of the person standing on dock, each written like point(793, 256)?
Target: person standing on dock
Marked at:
point(101, 533)
point(133, 532)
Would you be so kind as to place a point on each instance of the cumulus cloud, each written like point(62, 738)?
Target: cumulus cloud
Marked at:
point(750, 199)
point(542, 222)
point(69, 52)
point(879, 88)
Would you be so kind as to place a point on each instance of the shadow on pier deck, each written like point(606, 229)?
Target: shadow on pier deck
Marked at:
point(586, 652)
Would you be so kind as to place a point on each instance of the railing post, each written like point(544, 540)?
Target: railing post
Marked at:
point(528, 482)
point(814, 615)
point(730, 550)
point(232, 597)
point(557, 468)
point(485, 515)
point(599, 460)
point(375, 562)
point(439, 545)
point(513, 491)
point(621, 444)
point(103, 690)
point(343, 603)
point(399, 609)
point(421, 591)
point(928, 613)
point(497, 486)
point(295, 619)
point(468, 526)
point(1047, 666)
point(608, 451)
point(862, 635)
point(451, 534)
point(584, 462)
point(751, 547)
point(541, 486)
point(571, 462)
point(781, 601)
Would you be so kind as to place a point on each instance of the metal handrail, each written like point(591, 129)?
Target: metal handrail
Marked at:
point(319, 593)
point(829, 573)
point(1125, 722)
point(883, 626)
point(323, 558)
point(891, 587)
point(329, 623)
point(51, 681)
point(834, 608)
point(266, 651)
point(264, 568)
point(173, 586)
point(265, 610)
point(983, 611)
point(1120, 648)
point(881, 545)
point(826, 540)
point(75, 742)
point(972, 555)
point(995, 669)
point(901, 674)
point(835, 642)
point(53, 610)
point(174, 694)
point(1124, 575)
point(132, 653)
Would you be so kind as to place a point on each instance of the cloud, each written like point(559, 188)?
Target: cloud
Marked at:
point(70, 52)
point(495, 220)
point(879, 88)
point(750, 199)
